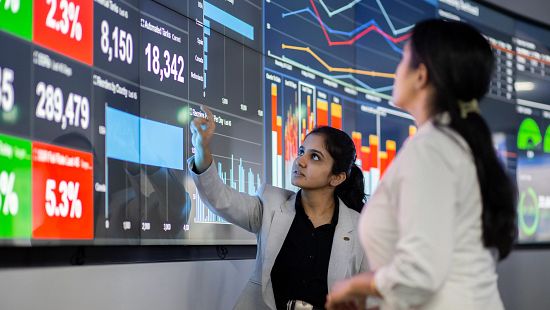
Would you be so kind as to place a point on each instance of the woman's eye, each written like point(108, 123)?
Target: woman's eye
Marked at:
point(300, 152)
point(315, 157)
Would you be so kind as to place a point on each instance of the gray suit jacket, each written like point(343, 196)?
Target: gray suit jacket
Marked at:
point(269, 215)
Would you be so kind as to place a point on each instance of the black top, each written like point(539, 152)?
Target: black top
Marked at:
point(301, 268)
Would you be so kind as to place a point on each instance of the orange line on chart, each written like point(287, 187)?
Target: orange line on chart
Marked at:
point(520, 54)
point(335, 69)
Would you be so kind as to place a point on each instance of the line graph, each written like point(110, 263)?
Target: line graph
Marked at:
point(356, 34)
point(336, 69)
point(362, 84)
point(388, 20)
point(380, 6)
point(339, 10)
point(338, 79)
point(353, 46)
point(333, 63)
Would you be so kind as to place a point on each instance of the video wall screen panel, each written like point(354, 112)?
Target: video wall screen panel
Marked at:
point(96, 99)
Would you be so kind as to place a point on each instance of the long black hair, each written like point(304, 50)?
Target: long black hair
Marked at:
point(341, 148)
point(460, 63)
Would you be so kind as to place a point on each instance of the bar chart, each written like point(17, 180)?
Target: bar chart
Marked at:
point(238, 178)
point(297, 107)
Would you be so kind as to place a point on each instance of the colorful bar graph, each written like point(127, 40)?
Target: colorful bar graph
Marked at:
point(291, 130)
point(336, 115)
point(322, 113)
point(391, 148)
point(383, 157)
point(373, 161)
point(357, 138)
point(279, 156)
point(310, 107)
point(310, 115)
point(307, 117)
point(305, 128)
point(365, 158)
point(373, 144)
point(276, 140)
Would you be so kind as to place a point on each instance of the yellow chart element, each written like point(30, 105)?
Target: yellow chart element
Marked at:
point(336, 69)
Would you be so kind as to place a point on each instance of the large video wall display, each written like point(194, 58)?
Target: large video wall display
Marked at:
point(96, 97)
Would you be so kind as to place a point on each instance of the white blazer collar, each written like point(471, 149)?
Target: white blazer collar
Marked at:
point(280, 225)
point(342, 245)
point(341, 251)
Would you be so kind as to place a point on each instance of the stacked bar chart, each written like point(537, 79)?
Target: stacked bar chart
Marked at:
point(276, 139)
point(298, 107)
point(336, 114)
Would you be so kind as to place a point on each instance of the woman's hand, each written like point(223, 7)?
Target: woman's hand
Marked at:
point(202, 130)
point(350, 293)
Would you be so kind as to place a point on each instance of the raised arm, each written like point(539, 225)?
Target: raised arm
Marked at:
point(202, 130)
point(240, 209)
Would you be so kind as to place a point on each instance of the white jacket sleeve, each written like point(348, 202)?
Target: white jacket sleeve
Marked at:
point(237, 208)
point(426, 194)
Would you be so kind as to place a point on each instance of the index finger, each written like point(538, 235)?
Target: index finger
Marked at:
point(209, 114)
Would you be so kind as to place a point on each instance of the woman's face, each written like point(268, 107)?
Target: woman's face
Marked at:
point(404, 83)
point(312, 169)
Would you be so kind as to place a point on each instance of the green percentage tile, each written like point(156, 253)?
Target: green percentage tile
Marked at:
point(15, 188)
point(16, 17)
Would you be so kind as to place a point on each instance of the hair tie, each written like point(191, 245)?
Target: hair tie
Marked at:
point(467, 107)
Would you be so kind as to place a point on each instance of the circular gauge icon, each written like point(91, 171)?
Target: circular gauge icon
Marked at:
point(528, 212)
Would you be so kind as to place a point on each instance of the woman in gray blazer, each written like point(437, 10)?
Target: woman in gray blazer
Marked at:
point(306, 241)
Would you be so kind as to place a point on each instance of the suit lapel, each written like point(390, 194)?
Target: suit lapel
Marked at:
point(341, 251)
point(280, 225)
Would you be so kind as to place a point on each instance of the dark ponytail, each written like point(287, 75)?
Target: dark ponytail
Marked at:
point(341, 148)
point(352, 190)
point(460, 62)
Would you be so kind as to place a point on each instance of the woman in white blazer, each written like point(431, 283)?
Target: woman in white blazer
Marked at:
point(306, 241)
point(444, 212)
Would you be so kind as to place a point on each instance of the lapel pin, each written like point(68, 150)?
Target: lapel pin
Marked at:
point(346, 238)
